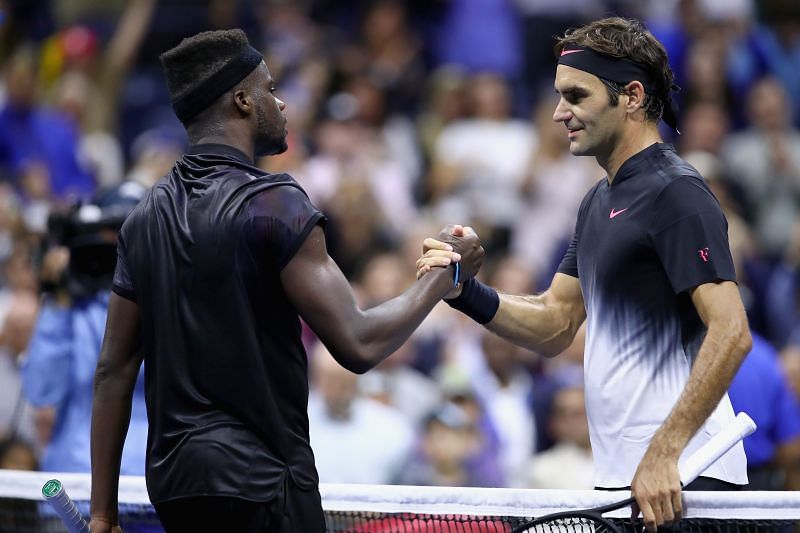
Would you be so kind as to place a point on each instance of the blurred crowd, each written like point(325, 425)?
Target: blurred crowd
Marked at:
point(404, 115)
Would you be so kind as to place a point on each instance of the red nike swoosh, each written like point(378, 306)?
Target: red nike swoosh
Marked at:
point(568, 52)
point(615, 213)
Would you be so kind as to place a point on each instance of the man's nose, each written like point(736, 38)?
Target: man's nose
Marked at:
point(562, 112)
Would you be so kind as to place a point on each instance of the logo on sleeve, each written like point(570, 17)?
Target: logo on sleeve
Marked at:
point(703, 254)
point(615, 213)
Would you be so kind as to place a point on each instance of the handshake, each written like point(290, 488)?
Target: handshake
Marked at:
point(454, 244)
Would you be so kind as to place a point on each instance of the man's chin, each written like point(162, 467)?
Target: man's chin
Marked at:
point(575, 148)
point(273, 148)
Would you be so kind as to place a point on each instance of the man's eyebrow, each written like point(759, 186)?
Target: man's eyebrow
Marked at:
point(574, 90)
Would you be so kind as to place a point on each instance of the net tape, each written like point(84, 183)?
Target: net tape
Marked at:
point(462, 502)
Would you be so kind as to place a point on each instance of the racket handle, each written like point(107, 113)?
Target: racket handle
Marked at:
point(53, 491)
point(715, 448)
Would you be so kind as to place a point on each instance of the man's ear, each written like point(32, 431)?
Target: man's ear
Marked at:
point(636, 94)
point(243, 102)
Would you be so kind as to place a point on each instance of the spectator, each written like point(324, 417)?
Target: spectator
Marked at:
point(496, 48)
point(18, 515)
point(38, 145)
point(568, 464)
point(89, 87)
point(783, 295)
point(355, 439)
point(59, 369)
point(764, 160)
point(483, 463)
point(777, 44)
point(504, 387)
point(448, 443)
point(16, 414)
point(393, 54)
point(365, 193)
point(704, 127)
point(554, 185)
point(790, 362)
point(395, 382)
point(479, 163)
point(17, 454)
point(706, 79)
point(773, 450)
point(443, 104)
point(153, 153)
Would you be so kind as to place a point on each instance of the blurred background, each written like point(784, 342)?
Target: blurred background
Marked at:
point(404, 115)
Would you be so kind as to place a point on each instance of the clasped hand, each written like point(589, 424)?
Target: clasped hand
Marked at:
point(454, 244)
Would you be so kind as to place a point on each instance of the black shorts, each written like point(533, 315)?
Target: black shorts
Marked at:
point(293, 510)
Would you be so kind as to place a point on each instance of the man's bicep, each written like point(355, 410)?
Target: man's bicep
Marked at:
point(318, 289)
point(719, 302)
point(565, 292)
point(121, 343)
point(546, 322)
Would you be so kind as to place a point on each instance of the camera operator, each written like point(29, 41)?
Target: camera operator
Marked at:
point(76, 274)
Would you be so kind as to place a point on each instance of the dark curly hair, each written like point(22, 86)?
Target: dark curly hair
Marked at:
point(198, 57)
point(629, 39)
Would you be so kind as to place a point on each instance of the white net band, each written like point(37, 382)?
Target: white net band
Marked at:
point(745, 505)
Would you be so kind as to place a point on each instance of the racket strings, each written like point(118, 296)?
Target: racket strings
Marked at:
point(573, 525)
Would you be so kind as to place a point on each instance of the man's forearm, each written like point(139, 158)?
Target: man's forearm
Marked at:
point(384, 328)
point(111, 414)
point(717, 362)
point(534, 322)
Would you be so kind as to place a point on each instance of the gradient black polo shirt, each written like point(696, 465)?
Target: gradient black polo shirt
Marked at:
point(225, 370)
point(641, 243)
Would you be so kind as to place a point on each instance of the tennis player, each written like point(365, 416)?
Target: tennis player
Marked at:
point(215, 267)
point(649, 267)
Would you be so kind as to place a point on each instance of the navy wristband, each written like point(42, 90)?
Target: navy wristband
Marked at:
point(477, 301)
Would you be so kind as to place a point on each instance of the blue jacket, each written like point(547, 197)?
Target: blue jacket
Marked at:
point(59, 371)
point(761, 390)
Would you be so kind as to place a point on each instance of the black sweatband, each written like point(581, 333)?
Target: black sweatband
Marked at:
point(211, 88)
point(623, 71)
point(477, 301)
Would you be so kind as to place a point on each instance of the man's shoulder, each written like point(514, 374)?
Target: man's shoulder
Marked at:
point(672, 177)
point(668, 167)
point(279, 192)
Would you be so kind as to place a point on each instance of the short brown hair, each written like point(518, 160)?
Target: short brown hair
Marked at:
point(629, 39)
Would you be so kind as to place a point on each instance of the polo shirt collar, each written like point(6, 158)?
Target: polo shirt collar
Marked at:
point(223, 150)
point(639, 161)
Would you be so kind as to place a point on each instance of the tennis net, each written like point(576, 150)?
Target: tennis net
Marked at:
point(389, 509)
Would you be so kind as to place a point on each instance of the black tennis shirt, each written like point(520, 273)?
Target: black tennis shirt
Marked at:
point(641, 243)
point(225, 370)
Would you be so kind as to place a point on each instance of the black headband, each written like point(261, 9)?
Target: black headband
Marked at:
point(211, 88)
point(620, 70)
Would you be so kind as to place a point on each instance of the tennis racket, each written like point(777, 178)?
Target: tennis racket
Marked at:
point(593, 520)
point(53, 491)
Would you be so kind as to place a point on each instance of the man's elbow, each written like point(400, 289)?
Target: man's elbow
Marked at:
point(550, 350)
point(558, 344)
point(744, 340)
point(104, 372)
point(355, 359)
